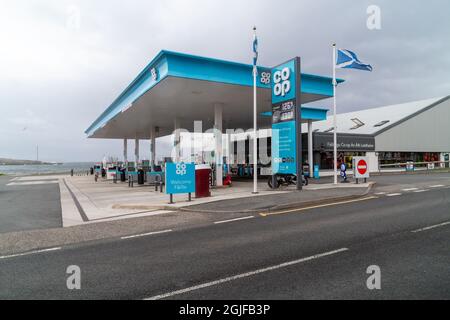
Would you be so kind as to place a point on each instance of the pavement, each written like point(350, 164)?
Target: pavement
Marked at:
point(318, 252)
point(84, 201)
point(79, 200)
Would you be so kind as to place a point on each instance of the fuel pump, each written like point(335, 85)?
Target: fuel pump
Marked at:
point(131, 170)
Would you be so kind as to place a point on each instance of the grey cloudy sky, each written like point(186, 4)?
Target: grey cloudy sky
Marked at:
point(63, 62)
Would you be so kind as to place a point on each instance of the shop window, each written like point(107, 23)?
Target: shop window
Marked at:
point(358, 124)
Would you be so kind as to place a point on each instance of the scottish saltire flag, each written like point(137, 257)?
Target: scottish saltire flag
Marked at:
point(347, 59)
point(255, 50)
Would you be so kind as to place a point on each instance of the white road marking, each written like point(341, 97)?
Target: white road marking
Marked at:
point(410, 189)
point(420, 191)
point(233, 220)
point(38, 178)
point(432, 227)
point(393, 195)
point(244, 275)
point(437, 186)
point(31, 183)
point(316, 207)
point(380, 193)
point(30, 253)
point(145, 234)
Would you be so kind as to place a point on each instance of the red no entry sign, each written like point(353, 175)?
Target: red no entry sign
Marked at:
point(362, 167)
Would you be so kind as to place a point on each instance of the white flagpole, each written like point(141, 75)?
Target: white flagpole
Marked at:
point(255, 124)
point(334, 116)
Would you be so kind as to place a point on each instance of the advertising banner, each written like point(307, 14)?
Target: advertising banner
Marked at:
point(285, 115)
point(180, 178)
point(283, 151)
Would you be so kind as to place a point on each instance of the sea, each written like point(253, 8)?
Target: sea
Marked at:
point(64, 168)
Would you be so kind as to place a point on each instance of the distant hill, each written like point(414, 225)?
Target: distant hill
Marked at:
point(4, 161)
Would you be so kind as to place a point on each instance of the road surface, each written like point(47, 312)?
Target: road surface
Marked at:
point(315, 253)
point(29, 205)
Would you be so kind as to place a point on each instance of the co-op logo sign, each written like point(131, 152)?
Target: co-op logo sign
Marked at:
point(181, 169)
point(282, 82)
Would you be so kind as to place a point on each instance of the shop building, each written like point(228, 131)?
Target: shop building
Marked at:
point(416, 131)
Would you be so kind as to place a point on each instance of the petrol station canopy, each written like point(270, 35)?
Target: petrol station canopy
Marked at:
point(187, 88)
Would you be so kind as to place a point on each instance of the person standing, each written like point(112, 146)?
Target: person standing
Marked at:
point(343, 171)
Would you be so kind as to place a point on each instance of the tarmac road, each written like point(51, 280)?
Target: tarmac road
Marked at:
point(26, 206)
point(318, 253)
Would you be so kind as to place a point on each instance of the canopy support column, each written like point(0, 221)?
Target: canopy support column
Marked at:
point(310, 149)
point(136, 150)
point(218, 129)
point(177, 139)
point(125, 151)
point(153, 147)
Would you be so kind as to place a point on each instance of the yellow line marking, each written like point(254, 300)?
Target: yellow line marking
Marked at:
point(318, 206)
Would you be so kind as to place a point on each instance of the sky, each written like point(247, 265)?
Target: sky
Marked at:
point(63, 62)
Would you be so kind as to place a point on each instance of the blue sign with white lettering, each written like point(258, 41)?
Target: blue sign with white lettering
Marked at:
point(180, 178)
point(283, 152)
point(284, 82)
point(284, 108)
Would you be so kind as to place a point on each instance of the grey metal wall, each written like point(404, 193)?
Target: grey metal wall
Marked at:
point(428, 131)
